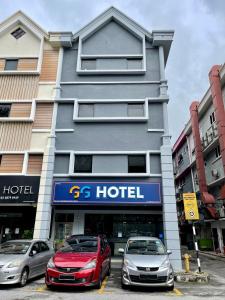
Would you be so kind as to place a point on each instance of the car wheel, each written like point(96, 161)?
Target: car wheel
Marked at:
point(170, 288)
point(109, 270)
point(23, 277)
point(99, 284)
point(50, 287)
point(124, 286)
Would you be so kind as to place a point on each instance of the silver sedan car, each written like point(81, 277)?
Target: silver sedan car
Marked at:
point(21, 260)
point(146, 263)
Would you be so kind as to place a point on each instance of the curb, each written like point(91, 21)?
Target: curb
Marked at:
point(192, 277)
point(212, 256)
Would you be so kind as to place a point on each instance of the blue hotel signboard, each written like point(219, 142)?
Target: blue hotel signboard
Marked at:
point(106, 192)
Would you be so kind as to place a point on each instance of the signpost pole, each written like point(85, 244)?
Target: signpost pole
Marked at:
point(196, 248)
point(192, 214)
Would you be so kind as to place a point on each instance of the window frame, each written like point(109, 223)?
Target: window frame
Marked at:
point(91, 162)
point(212, 118)
point(129, 166)
point(9, 105)
point(217, 151)
point(144, 118)
point(8, 60)
point(22, 33)
point(70, 172)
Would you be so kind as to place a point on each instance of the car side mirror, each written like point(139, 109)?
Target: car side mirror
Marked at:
point(33, 252)
point(121, 250)
point(169, 252)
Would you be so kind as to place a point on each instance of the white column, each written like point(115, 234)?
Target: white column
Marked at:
point(163, 82)
point(170, 222)
point(44, 207)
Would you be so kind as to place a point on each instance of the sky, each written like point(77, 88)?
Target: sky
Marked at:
point(199, 40)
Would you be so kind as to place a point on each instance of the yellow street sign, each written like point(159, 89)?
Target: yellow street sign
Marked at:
point(190, 206)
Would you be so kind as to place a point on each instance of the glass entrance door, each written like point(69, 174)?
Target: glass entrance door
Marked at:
point(119, 227)
point(63, 228)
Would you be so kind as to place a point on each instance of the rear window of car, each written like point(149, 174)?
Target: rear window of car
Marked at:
point(80, 245)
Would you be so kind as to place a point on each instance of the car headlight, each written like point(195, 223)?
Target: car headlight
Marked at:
point(90, 265)
point(165, 264)
point(14, 264)
point(51, 263)
point(129, 263)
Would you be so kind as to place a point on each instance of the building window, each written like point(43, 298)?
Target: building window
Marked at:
point(182, 182)
point(217, 151)
point(83, 164)
point(212, 118)
point(136, 164)
point(86, 111)
point(18, 33)
point(5, 110)
point(11, 64)
point(88, 64)
point(134, 63)
point(0, 160)
point(135, 110)
point(180, 159)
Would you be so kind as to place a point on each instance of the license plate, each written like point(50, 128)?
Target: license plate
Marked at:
point(66, 277)
point(147, 277)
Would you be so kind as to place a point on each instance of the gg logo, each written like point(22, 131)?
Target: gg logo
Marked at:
point(77, 191)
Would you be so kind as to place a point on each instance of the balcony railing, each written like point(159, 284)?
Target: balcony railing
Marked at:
point(210, 135)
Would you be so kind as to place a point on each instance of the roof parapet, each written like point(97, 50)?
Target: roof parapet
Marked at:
point(61, 39)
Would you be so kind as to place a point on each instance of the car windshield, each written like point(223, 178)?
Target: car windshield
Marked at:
point(146, 247)
point(14, 247)
point(80, 245)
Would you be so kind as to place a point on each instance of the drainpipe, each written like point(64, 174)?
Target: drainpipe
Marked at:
point(207, 198)
point(215, 87)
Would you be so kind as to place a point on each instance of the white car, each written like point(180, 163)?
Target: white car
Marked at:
point(146, 263)
point(21, 260)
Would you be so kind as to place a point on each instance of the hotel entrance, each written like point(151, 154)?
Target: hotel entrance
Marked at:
point(119, 227)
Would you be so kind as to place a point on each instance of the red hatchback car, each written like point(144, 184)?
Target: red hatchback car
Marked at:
point(83, 261)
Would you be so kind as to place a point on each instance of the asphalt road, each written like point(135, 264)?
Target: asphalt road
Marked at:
point(111, 289)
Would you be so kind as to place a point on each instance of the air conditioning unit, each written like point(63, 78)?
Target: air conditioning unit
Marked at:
point(215, 173)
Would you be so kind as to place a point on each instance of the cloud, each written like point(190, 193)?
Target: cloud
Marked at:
point(198, 43)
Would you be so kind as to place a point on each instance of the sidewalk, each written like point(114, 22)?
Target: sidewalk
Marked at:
point(209, 254)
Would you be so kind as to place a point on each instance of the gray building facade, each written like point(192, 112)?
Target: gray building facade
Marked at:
point(110, 135)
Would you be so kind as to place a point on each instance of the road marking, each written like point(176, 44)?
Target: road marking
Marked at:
point(41, 289)
point(178, 292)
point(101, 290)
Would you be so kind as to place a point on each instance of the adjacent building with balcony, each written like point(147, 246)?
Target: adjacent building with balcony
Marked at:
point(199, 160)
point(28, 69)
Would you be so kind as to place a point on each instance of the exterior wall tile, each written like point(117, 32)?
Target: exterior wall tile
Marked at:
point(18, 86)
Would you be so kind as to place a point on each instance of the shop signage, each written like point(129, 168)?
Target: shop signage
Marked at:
point(19, 189)
point(80, 192)
point(190, 206)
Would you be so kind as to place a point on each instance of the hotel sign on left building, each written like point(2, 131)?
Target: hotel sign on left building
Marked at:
point(19, 189)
